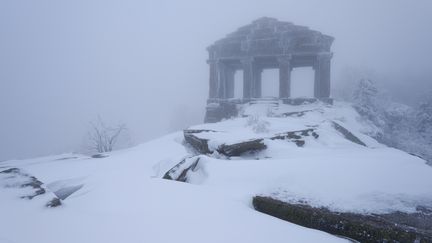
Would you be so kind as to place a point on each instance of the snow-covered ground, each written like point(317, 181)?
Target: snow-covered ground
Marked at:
point(124, 199)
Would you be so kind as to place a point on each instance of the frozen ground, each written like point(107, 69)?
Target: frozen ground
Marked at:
point(121, 198)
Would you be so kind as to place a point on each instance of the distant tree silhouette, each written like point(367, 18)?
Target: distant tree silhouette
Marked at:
point(103, 138)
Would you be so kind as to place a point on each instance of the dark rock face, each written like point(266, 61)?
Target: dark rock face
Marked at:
point(199, 144)
point(68, 158)
point(180, 170)
point(55, 202)
point(37, 192)
point(99, 156)
point(11, 171)
point(26, 180)
point(35, 183)
point(249, 146)
point(238, 149)
point(296, 136)
point(295, 113)
point(394, 227)
point(347, 134)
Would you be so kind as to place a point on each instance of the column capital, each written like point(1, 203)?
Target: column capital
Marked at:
point(247, 60)
point(286, 59)
point(324, 56)
point(321, 58)
point(215, 61)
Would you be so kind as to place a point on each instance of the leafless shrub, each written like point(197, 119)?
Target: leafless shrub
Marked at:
point(258, 125)
point(103, 138)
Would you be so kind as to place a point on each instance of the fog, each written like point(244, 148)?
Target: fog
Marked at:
point(143, 63)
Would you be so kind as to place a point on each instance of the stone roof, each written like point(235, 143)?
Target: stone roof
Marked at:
point(271, 36)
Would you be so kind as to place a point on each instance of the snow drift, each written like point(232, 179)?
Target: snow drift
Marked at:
point(123, 198)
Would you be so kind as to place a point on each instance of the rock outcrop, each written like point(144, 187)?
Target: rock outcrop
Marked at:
point(16, 178)
point(347, 134)
point(237, 149)
point(296, 136)
point(201, 145)
point(392, 227)
point(180, 170)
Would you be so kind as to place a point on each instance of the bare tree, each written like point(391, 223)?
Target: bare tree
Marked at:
point(103, 138)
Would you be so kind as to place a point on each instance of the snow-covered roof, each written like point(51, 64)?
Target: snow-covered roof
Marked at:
point(269, 35)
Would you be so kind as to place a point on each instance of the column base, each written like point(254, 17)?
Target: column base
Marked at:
point(303, 101)
point(220, 109)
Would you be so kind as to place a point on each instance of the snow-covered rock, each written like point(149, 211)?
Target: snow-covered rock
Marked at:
point(123, 198)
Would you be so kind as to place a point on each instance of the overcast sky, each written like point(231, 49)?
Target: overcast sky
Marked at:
point(63, 63)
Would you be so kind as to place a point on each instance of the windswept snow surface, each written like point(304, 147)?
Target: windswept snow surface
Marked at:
point(123, 199)
point(330, 171)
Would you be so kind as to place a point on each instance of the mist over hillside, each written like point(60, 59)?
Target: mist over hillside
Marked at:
point(139, 63)
point(225, 121)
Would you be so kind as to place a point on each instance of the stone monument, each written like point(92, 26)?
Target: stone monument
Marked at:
point(266, 43)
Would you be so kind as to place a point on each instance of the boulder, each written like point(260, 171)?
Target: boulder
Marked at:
point(199, 144)
point(55, 202)
point(235, 149)
point(180, 170)
point(392, 227)
point(240, 148)
point(20, 179)
point(99, 156)
point(296, 136)
point(347, 134)
point(248, 146)
point(295, 113)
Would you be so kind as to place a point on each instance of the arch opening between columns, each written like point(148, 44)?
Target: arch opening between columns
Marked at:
point(302, 82)
point(270, 83)
point(238, 84)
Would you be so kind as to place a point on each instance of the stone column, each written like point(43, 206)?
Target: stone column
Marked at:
point(248, 77)
point(229, 72)
point(325, 75)
point(213, 81)
point(284, 77)
point(257, 83)
point(322, 75)
point(222, 82)
point(317, 80)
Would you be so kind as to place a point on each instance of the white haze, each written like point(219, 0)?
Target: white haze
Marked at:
point(63, 63)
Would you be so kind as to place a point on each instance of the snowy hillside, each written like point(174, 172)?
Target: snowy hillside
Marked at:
point(313, 153)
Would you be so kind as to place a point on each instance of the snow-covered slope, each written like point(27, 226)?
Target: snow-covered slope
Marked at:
point(330, 171)
point(124, 199)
